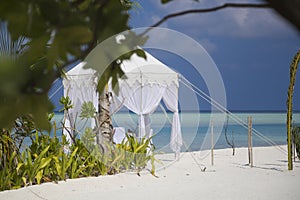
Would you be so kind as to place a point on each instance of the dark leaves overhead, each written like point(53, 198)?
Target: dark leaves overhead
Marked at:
point(289, 9)
point(57, 33)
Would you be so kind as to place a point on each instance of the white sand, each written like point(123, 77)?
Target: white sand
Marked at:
point(229, 178)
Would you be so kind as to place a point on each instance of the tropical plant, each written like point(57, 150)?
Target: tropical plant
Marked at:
point(137, 152)
point(87, 110)
point(8, 148)
point(8, 175)
point(32, 168)
point(67, 104)
point(52, 159)
point(289, 102)
point(10, 48)
point(53, 42)
point(88, 139)
point(11, 142)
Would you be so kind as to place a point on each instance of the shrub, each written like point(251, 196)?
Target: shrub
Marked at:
point(47, 160)
point(50, 159)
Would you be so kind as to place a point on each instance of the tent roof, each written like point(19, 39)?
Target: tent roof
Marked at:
point(137, 69)
point(79, 70)
point(148, 71)
point(148, 65)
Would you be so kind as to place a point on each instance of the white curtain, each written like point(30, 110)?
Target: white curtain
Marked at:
point(80, 89)
point(170, 98)
point(142, 100)
point(148, 125)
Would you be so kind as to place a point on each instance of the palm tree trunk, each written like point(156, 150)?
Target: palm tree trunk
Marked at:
point(293, 71)
point(104, 124)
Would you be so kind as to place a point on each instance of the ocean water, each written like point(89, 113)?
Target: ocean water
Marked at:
point(198, 129)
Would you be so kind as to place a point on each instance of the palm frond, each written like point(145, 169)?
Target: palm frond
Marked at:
point(8, 47)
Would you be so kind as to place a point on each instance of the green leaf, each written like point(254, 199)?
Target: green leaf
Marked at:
point(141, 53)
point(39, 176)
point(71, 159)
point(43, 152)
point(47, 8)
point(66, 103)
point(19, 166)
point(24, 180)
point(45, 162)
point(29, 159)
point(57, 165)
point(50, 116)
point(13, 155)
point(87, 110)
point(76, 34)
point(84, 5)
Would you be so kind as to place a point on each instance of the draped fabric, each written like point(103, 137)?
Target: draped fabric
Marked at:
point(142, 100)
point(79, 86)
point(148, 125)
point(170, 98)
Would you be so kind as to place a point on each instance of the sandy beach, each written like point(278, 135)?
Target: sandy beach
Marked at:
point(229, 178)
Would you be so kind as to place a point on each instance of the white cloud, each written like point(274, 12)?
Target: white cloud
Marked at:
point(240, 16)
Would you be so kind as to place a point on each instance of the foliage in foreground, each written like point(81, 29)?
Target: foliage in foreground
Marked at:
point(50, 159)
point(37, 46)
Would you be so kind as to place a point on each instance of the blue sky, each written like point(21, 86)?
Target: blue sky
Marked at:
point(252, 49)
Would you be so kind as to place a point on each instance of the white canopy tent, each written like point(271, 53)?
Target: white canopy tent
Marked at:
point(148, 82)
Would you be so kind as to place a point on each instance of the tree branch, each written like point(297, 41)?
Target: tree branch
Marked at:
point(289, 9)
point(206, 10)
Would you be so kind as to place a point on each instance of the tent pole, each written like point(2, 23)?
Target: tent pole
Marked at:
point(141, 107)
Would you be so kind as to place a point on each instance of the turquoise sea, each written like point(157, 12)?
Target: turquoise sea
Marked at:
point(269, 128)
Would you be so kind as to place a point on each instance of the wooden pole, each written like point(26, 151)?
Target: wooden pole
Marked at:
point(212, 142)
point(250, 152)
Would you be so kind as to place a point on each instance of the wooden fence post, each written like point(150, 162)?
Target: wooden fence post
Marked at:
point(250, 152)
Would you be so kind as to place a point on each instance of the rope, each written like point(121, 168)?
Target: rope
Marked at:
point(186, 146)
point(233, 116)
point(195, 158)
point(50, 97)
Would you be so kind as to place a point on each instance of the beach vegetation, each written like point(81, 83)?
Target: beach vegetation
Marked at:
point(138, 152)
point(49, 158)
